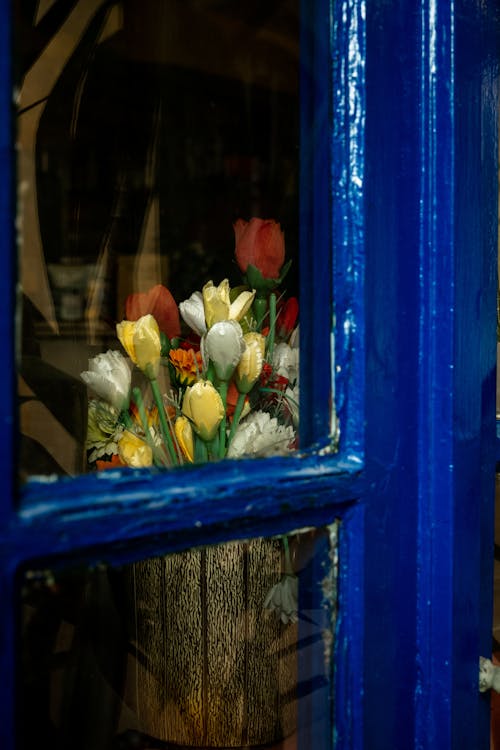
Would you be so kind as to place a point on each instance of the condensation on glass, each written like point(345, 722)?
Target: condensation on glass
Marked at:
point(223, 646)
point(145, 130)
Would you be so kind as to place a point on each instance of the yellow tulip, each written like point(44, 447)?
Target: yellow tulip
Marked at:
point(133, 451)
point(218, 306)
point(184, 435)
point(250, 365)
point(203, 406)
point(141, 340)
point(216, 302)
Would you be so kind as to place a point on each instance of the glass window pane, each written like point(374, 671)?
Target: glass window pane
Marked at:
point(145, 131)
point(223, 646)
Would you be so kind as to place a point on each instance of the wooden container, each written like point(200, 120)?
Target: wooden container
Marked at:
point(213, 668)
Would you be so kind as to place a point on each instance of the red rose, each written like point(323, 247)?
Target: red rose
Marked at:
point(158, 302)
point(260, 243)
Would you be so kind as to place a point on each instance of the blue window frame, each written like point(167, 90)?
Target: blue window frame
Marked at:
point(398, 235)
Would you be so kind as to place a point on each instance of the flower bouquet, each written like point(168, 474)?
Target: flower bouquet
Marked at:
point(214, 377)
point(228, 360)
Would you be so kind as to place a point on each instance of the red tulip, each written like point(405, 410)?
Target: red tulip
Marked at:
point(287, 317)
point(260, 243)
point(158, 302)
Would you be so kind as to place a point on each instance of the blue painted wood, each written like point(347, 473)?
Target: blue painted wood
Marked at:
point(242, 497)
point(458, 254)
point(347, 167)
point(392, 282)
point(431, 193)
point(351, 638)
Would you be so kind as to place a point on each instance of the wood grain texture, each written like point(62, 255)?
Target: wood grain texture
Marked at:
point(213, 669)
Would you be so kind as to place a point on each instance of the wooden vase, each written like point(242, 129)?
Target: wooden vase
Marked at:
point(212, 667)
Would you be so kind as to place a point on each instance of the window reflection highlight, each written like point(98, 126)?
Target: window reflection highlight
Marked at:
point(145, 131)
point(223, 646)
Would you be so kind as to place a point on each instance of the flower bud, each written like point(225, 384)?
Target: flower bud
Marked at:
point(203, 406)
point(218, 306)
point(223, 345)
point(193, 313)
point(141, 340)
point(160, 303)
point(184, 435)
point(260, 243)
point(216, 302)
point(133, 451)
point(109, 377)
point(250, 365)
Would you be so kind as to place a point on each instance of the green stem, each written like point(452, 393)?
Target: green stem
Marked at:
point(236, 416)
point(210, 373)
point(222, 428)
point(259, 309)
point(126, 419)
point(163, 421)
point(213, 448)
point(200, 450)
point(272, 326)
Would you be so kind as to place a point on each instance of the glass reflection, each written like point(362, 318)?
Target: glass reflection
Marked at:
point(145, 131)
point(224, 646)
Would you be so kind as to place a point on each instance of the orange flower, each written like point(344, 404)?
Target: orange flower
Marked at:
point(113, 463)
point(159, 303)
point(260, 243)
point(188, 364)
point(151, 414)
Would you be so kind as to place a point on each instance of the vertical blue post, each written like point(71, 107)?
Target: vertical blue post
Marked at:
point(391, 197)
point(431, 193)
point(457, 344)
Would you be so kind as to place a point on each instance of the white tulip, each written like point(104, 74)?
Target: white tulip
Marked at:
point(223, 345)
point(109, 377)
point(193, 313)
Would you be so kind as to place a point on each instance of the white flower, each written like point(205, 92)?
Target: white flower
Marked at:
point(103, 430)
point(193, 313)
point(294, 338)
point(283, 599)
point(223, 345)
point(109, 377)
point(292, 399)
point(259, 434)
point(286, 361)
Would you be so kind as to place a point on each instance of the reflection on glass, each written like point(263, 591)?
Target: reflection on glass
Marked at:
point(148, 134)
point(224, 646)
